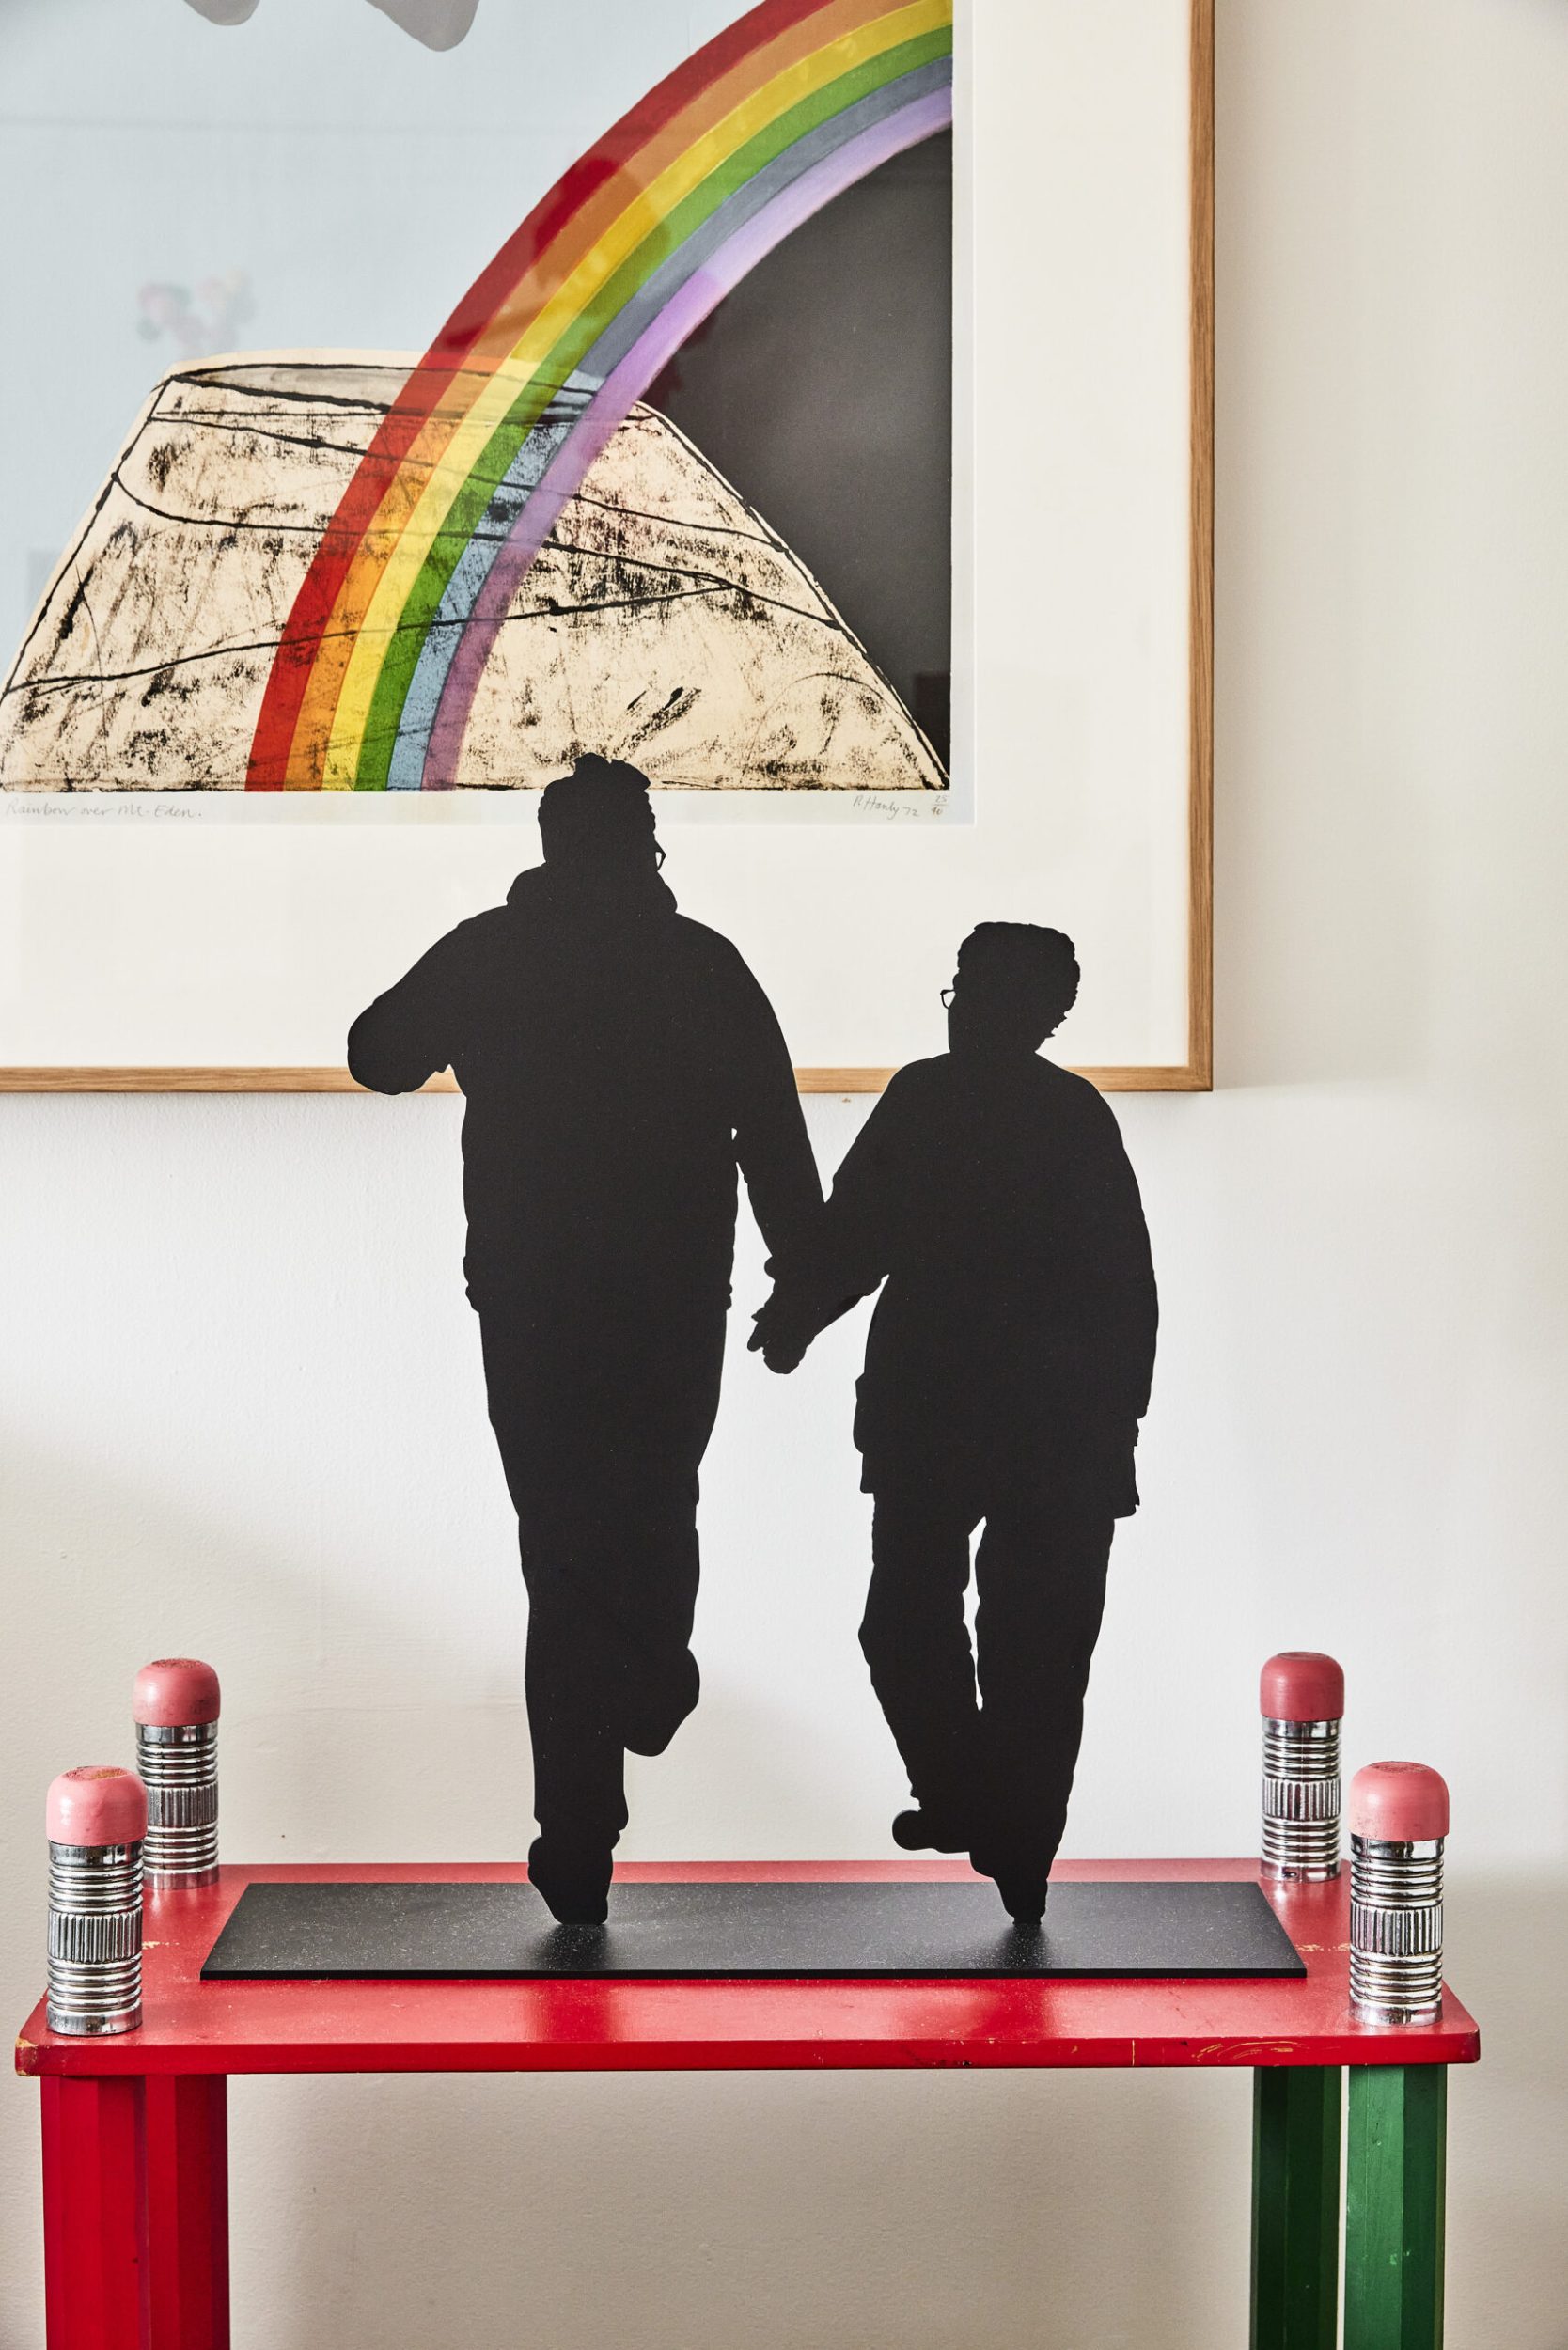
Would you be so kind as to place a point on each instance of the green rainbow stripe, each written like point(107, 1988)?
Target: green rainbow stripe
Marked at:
point(377, 666)
point(468, 510)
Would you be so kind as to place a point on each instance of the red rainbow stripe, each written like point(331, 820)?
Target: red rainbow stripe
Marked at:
point(294, 726)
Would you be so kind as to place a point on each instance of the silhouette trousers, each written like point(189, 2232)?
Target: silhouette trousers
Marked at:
point(600, 1451)
point(988, 1732)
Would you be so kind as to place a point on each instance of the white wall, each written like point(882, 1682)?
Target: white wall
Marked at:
point(243, 1413)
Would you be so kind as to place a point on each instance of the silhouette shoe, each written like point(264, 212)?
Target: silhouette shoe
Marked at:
point(650, 1726)
point(1022, 1893)
point(927, 1831)
point(576, 1886)
point(1022, 1879)
point(1022, 1884)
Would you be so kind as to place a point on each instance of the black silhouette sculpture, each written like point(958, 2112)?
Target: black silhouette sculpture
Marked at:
point(619, 1063)
point(1007, 1369)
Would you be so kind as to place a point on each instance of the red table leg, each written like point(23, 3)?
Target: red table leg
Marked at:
point(93, 2215)
point(186, 2139)
point(135, 2213)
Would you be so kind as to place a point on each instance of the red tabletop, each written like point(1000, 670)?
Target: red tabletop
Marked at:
point(626, 2026)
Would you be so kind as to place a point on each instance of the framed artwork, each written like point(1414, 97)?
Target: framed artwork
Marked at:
point(809, 404)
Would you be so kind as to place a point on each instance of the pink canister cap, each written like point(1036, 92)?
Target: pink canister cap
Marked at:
point(1398, 1803)
point(175, 1691)
point(99, 1804)
point(1301, 1685)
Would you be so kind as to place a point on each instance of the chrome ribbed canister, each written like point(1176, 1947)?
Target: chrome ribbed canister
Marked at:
point(1302, 1697)
point(175, 1704)
point(96, 1818)
point(1398, 1817)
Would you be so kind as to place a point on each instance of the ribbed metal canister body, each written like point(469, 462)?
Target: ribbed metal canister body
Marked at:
point(1396, 1931)
point(1301, 1800)
point(95, 1938)
point(177, 1764)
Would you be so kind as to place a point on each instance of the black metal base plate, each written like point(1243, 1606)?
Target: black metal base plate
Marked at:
point(747, 1929)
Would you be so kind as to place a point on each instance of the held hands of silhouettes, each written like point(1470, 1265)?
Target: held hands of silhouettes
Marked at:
point(782, 1333)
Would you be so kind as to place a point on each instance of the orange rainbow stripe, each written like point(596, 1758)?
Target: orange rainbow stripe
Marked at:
point(372, 678)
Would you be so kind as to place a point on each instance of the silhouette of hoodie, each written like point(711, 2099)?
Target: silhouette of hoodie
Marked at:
point(619, 1063)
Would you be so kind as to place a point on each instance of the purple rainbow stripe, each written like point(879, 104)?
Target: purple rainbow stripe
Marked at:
point(563, 477)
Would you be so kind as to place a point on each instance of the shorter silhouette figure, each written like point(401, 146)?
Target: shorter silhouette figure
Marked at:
point(620, 1064)
point(1006, 1369)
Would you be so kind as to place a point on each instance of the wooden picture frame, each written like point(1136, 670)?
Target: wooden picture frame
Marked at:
point(1177, 1074)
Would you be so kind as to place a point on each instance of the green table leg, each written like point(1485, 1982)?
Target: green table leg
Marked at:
point(1394, 2207)
point(1295, 2206)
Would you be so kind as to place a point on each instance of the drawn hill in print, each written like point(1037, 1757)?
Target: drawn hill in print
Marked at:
point(664, 622)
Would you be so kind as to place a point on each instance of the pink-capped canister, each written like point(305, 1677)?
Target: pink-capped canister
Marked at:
point(97, 1818)
point(1399, 1826)
point(175, 1706)
point(1302, 1697)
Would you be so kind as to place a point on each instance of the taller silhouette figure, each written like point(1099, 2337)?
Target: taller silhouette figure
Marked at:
point(1006, 1369)
point(619, 1063)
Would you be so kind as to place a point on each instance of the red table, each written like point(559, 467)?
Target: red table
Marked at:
point(134, 2128)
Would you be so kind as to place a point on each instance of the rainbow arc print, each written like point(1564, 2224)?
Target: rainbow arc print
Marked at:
point(375, 676)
